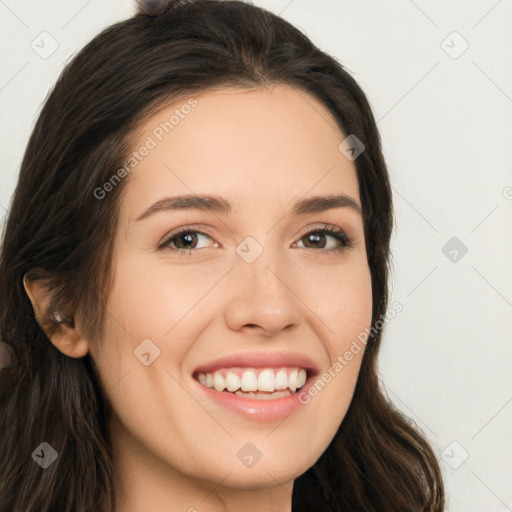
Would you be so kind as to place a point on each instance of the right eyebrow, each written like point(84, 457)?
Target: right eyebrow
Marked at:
point(217, 204)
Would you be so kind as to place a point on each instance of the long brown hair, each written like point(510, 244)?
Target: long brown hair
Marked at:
point(59, 231)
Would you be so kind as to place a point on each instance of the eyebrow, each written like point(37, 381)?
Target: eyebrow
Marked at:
point(217, 204)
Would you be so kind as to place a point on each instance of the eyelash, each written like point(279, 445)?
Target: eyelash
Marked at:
point(334, 231)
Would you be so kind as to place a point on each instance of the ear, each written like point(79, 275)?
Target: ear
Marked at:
point(66, 335)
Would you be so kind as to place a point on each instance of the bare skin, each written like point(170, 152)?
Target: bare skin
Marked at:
point(174, 448)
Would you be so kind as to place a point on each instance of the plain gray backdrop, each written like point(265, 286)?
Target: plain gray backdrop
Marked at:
point(439, 79)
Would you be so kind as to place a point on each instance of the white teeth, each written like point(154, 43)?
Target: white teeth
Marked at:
point(281, 381)
point(249, 381)
point(267, 380)
point(218, 381)
point(292, 381)
point(301, 378)
point(232, 382)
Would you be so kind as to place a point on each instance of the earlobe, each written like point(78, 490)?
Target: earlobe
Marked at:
point(64, 334)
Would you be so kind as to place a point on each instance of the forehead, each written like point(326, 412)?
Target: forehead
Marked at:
point(263, 144)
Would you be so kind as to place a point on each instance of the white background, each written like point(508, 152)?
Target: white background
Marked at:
point(446, 126)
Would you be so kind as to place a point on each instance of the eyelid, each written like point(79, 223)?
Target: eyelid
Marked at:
point(198, 228)
point(332, 230)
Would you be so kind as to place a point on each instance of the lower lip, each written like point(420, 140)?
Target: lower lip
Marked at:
point(258, 410)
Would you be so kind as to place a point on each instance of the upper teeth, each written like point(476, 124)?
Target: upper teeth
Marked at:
point(267, 379)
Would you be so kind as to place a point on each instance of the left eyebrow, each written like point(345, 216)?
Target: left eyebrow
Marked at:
point(217, 204)
point(317, 204)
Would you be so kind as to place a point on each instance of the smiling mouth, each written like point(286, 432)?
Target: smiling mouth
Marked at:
point(256, 383)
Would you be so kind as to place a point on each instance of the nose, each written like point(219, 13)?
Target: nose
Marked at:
point(263, 299)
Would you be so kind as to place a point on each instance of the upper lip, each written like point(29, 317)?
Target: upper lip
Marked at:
point(260, 360)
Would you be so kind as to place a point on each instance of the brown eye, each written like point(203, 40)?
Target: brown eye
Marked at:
point(184, 240)
point(317, 238)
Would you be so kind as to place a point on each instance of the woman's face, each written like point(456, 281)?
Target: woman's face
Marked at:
point(244, 297)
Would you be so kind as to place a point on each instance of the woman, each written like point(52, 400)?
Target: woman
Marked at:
point(236, 374)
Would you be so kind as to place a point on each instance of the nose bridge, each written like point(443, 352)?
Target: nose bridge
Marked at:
point(260, 262)
point(263, 295)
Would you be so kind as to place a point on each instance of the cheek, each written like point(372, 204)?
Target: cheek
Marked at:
point(351, 317)
point(151, 307)
point(342, 301)
point(150, 299)
point(344, 305)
